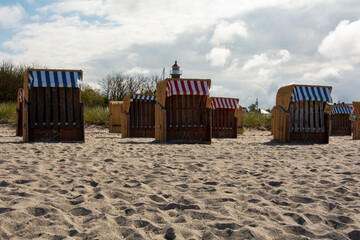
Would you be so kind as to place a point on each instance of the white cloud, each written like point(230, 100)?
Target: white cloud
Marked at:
point(322, 74)
point(344, 41)
point(226, 32)
point(134, 58)
point(137, 70)
point(11, 16)
point(218, 56)
point(264, 61)
point(86, 7)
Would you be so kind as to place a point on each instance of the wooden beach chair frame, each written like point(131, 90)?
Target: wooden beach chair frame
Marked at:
point(19, 112)
point(356, 122)
point(301, 118)
point(115, 109)
point(224, 119)
point(340, 123)
point(53, 110)
point(138, 116)
point(181, 112)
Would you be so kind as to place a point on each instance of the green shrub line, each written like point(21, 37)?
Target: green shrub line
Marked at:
point(8, 113)
point(99, 115)
point(257, 120)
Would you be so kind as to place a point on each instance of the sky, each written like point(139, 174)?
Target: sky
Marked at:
point(249, 49)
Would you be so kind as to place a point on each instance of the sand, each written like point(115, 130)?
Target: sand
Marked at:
point(115, 188)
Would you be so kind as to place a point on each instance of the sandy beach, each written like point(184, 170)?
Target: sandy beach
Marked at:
point(133, 188)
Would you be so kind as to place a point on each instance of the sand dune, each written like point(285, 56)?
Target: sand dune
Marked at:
point(114, 188)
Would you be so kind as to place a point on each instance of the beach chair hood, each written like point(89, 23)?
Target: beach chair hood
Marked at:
point(294, 93)
point(181, 86)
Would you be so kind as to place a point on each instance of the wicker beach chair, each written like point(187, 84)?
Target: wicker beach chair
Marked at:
point(224, 120)
point(52, 108)
point(356, 123)
point(181, 112)
point(115, 109)
point(138, 116)
point(299, 114)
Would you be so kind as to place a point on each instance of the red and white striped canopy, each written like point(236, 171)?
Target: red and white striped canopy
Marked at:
point(229, 103)
point(186, 87)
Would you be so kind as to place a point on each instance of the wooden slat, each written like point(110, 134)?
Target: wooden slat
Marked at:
point(48, 106)
point(41, 106)
point(62, 106)
point(186, 112)
point(306, 116)
point(301, 116)
point(322, 120)
point(296, 120)
point(33, 107)
point(292, 117)
point(77, 110)
point(317, 117)
point(176, 110)
point(69, 106)
point(179, 111)
point(55, 106)
point(311, 117)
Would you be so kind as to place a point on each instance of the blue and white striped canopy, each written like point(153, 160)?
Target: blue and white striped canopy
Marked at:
point(341, 110)
point(308, 93)
point(151, 98)
point(48, 78)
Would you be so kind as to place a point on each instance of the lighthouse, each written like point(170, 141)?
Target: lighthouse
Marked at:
point(175, 72)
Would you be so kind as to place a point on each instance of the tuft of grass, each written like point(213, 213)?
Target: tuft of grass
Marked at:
point(8, 113)
point(257, 120)
point(97, 115)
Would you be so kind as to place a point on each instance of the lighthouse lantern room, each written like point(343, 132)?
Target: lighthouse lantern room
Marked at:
point(175, 72)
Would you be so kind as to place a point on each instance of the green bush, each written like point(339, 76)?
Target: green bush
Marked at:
point(97, 115)
point(92, 97)
point(8, 113)
point(257, 120)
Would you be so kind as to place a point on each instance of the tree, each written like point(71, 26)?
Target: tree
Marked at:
point(252, 108)
point(117, 85)
point(92, 97)
point(11, 79)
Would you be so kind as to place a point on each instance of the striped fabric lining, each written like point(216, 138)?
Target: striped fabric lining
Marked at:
point(21, 96)
point(55, 79)
point(224, 103)
point(341, 110)
point(184, 87)
point(305, 93)
point(149, 98)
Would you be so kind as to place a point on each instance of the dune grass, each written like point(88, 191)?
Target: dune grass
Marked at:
point(8, 113)
point(93, 115)
point(257, 120)
point(97, 115)
point(100, 116)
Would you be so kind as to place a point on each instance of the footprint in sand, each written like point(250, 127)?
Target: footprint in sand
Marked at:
point(297, 218)
point(37, 211)
point(80, 211)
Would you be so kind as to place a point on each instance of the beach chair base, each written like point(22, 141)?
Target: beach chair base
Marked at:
point(56, 134)
point(115, 129)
